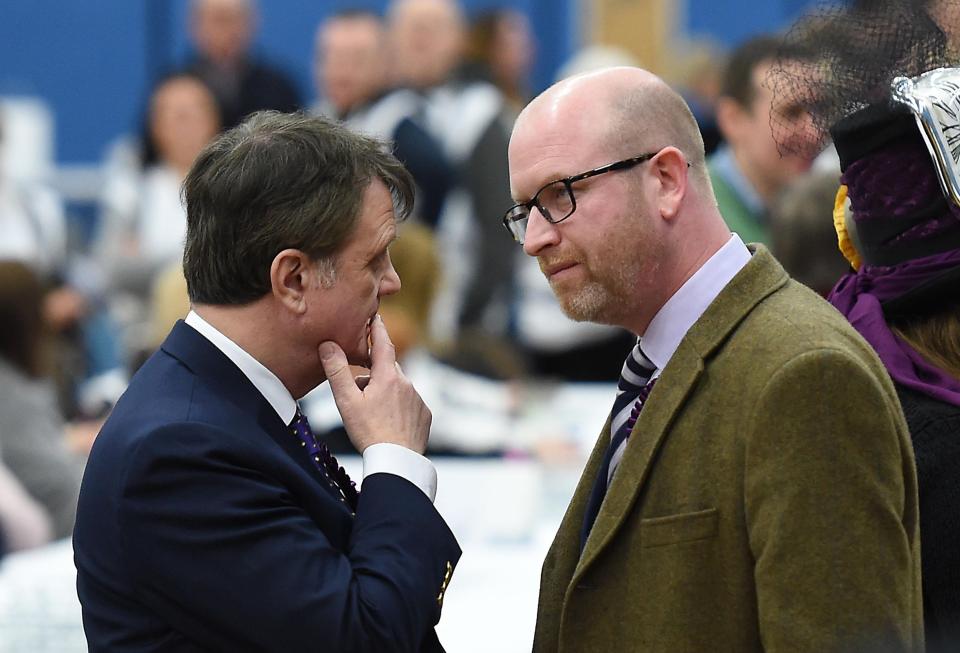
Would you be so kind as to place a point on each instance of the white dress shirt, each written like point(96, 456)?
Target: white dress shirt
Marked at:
point(671, 323)
point(382, 457)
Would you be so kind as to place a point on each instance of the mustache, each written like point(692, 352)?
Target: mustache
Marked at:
point(552, 261)
point(549, 262)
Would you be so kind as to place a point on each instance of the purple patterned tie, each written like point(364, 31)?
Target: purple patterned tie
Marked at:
point(325, 461)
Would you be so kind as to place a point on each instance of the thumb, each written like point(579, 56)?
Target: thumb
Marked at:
point(335, 366)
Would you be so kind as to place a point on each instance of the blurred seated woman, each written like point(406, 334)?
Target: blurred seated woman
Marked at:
point(143, 224)
point(33, 436)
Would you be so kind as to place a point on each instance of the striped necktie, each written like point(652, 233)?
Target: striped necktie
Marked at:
point(632, 390)
point(325, 461)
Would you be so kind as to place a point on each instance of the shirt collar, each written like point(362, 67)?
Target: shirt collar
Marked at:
point(262, 379)
point(725, 164)
point(685, 307)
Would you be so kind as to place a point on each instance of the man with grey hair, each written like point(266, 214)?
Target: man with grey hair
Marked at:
point(754, 488)
point(211, 517)
point(222, 32)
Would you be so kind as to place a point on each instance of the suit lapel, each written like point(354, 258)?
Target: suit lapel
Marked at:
point(664, 404)
point(757, 280)
point(212, 366)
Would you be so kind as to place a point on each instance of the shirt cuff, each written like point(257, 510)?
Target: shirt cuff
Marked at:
point(393, 459)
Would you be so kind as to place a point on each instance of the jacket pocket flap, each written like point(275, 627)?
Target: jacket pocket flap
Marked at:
point(684, 527)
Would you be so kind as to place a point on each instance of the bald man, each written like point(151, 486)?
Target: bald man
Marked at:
point(754, 488)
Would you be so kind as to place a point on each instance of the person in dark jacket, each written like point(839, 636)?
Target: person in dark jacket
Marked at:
point(222, 32)
point(890, 106)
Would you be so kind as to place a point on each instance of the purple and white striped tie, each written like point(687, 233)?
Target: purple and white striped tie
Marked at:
point(634, 386)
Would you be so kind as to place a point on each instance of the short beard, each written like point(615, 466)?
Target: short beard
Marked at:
point(588, 304)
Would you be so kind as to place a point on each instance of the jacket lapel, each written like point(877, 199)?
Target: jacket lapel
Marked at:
point(757, 280)
point(210, 364)
point(664, 404)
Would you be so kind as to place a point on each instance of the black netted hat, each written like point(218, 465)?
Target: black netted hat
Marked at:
point(881, 79)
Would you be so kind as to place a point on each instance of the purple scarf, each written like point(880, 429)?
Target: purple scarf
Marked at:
point(858, 296)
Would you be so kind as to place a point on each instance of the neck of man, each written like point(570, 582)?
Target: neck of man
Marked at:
point(260, 329)
point(699, 236)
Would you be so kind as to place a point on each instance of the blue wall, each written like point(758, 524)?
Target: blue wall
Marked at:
point(730, 21)
point(92, 59)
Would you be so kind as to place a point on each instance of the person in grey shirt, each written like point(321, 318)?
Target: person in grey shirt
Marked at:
point(32, 431)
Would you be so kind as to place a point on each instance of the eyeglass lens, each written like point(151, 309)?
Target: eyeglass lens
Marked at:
point(555, 199)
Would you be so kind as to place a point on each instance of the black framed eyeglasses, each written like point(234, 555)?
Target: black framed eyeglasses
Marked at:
point(556, 201)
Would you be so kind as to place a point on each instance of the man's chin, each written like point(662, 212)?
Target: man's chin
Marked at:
point(597, 314)
point(361, 359)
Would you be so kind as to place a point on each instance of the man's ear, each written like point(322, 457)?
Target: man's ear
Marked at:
point(670, 167)
point(289, 279)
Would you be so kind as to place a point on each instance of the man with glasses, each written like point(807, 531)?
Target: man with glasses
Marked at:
point(765, 500)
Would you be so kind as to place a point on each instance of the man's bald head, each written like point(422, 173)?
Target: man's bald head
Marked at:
point(633, 238)
point(624, 111)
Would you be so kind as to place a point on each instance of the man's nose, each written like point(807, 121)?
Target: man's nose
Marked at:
point(540, 233)
point(390, 285)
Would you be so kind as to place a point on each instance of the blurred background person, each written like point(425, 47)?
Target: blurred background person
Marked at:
point(501, 50)
point(749, 171)
point(802, 236)
point(34, 231)
point(242, 82)
point(697, 73)
point(471, 120)
point(33, 435)
point(23, 522)
point(143, 222)
point(352, 75)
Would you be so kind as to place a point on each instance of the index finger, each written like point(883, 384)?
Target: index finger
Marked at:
point(383, 354)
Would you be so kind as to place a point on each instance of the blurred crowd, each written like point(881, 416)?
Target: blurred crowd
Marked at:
point(475, 323)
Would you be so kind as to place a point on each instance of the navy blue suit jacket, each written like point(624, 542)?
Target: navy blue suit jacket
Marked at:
point(203, 526)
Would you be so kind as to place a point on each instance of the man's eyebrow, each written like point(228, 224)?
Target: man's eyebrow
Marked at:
point(549, 180)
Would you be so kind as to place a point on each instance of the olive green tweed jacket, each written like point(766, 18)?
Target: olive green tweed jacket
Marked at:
point(766, 501)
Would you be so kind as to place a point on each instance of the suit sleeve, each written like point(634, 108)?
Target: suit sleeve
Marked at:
point(831, 511)
point(224, 553)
